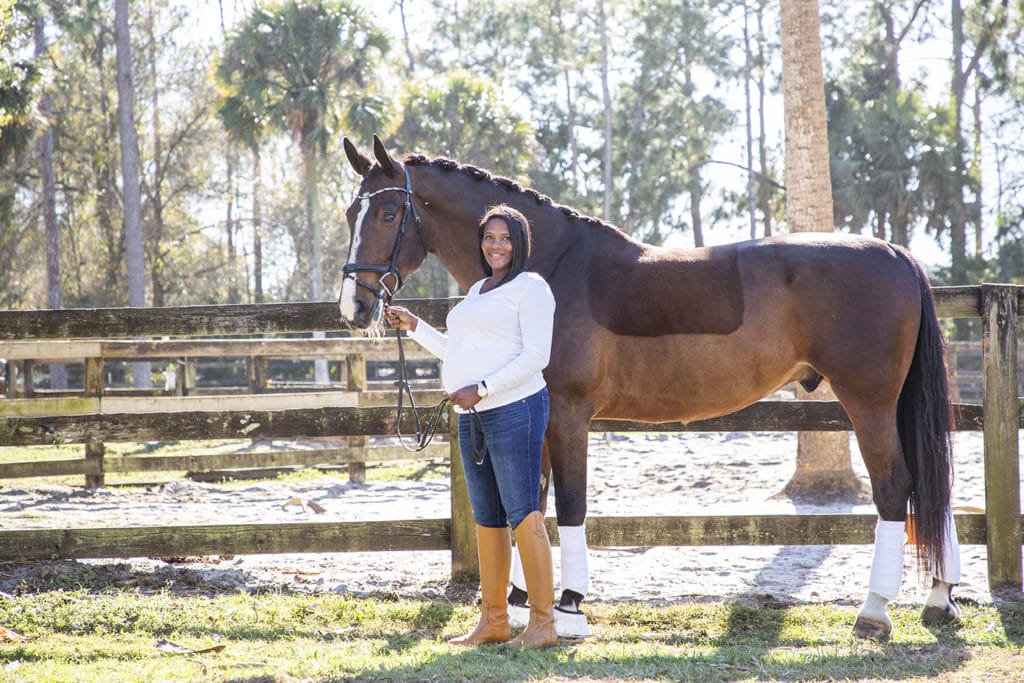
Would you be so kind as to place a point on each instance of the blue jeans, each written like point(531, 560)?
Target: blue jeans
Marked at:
point(505, 487)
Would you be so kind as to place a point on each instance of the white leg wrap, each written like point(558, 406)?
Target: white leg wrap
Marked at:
point(573, 545)
point(518, 578)
point(887, 565)
point(951, 554)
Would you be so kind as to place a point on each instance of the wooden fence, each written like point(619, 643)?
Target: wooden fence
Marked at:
point(999, 528)
point(180, 359)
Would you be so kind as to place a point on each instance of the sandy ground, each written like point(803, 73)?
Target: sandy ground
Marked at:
point(640, 474)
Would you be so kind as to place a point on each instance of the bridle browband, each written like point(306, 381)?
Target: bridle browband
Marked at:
point(382, 291)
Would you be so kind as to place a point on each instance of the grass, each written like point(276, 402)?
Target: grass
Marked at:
point(99, 633)
point(117, 636)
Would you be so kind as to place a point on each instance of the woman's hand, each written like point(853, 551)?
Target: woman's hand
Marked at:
point(400, 318)
point(465, 398)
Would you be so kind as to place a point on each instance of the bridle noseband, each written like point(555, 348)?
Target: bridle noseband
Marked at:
point(382, 291)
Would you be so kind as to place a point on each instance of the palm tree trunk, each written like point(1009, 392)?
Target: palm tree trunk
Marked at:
point(823, 458)
point(316, 271)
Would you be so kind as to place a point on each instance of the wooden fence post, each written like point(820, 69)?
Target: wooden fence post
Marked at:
point(1002, 422)
point(355, 373)
point(258, 374)
point(463, 529)
point(28, 369)
point(94, 450)
point(465, 565)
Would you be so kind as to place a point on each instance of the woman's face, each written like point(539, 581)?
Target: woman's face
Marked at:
point(497, 247)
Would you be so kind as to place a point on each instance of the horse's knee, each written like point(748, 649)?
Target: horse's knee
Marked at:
point(571, 509)
point(891, 495)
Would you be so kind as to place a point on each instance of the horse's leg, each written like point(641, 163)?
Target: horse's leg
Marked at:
point(939, 607)
point(567, 447)
point(890, 490)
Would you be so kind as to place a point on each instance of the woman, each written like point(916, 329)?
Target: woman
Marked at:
point(498, 342)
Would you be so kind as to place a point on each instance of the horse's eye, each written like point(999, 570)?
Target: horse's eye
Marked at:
point(389, 218)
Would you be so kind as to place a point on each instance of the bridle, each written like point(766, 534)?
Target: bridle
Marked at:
point(383, 293)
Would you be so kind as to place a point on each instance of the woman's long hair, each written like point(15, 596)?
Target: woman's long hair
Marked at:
point(519, 232)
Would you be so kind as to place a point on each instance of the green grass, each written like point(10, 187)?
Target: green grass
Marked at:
point(113, 636)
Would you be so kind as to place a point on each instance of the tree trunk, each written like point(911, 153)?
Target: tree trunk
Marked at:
point(823, 458)
point(695, 219)
point(748, 107)
point(309, 163)
point(762, 87)
point(257, 220)
point(48, 200)
point(606, 95)
point(131, 194)
point(156, 199)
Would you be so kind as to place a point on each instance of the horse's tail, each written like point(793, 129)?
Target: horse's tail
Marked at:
point(925, 420)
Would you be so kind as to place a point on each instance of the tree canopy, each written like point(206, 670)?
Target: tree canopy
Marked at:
point(649, 115)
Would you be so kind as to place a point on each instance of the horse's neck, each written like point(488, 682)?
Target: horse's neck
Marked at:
point(453, 203)
point(451, 206)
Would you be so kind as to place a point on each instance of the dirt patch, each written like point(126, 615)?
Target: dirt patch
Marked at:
point(638, 474)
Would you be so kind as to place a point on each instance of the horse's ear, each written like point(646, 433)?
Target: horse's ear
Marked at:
point(360, 163)
point(387, 164)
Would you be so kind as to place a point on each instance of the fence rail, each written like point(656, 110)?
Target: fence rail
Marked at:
point(999, 417)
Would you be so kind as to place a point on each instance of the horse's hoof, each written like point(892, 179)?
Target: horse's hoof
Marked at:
point(874, 629)
point(933, 615)
point(570, 621)
point(571, 624)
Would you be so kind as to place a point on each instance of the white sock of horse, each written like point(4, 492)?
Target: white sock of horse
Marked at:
point(572, 542)
point(887, 565)
point(518, 577)
point(949, 575)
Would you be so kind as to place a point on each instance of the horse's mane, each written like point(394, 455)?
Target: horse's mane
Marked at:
point(510, 185)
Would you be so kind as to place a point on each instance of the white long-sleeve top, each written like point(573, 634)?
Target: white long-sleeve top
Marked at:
point(501, 337)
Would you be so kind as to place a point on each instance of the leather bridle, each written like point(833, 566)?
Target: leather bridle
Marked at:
point(425, 429)
point(381, 290)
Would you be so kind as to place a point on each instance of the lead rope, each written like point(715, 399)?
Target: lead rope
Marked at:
point(425, 435)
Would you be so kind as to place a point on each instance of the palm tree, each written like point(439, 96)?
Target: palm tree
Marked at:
point(300, 68)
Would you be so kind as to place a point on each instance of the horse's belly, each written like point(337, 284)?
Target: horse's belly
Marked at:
point(692, 379)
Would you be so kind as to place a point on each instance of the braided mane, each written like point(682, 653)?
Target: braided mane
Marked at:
point(483, 176)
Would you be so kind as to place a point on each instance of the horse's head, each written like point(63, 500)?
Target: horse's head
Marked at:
point(384, 251)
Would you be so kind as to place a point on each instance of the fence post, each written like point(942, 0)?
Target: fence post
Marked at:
point(465, 566)
point(94, 450)
point(463, 530)
point(28, 369)
point(258, 372)
point(1002, 422)
point(355, 373)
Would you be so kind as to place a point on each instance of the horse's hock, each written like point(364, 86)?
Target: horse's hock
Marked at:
point(999, 417)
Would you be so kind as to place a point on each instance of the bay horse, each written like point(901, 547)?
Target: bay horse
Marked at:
point(654, 334)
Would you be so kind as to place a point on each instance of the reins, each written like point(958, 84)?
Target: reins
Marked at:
point(425, 430)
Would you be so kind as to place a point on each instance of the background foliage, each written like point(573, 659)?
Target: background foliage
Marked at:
point(925, 106)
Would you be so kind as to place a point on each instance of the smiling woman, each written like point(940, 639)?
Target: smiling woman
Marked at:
point(498, 344)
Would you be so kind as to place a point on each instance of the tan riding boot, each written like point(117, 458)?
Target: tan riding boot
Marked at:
point(494, 547)
point(535, 552)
